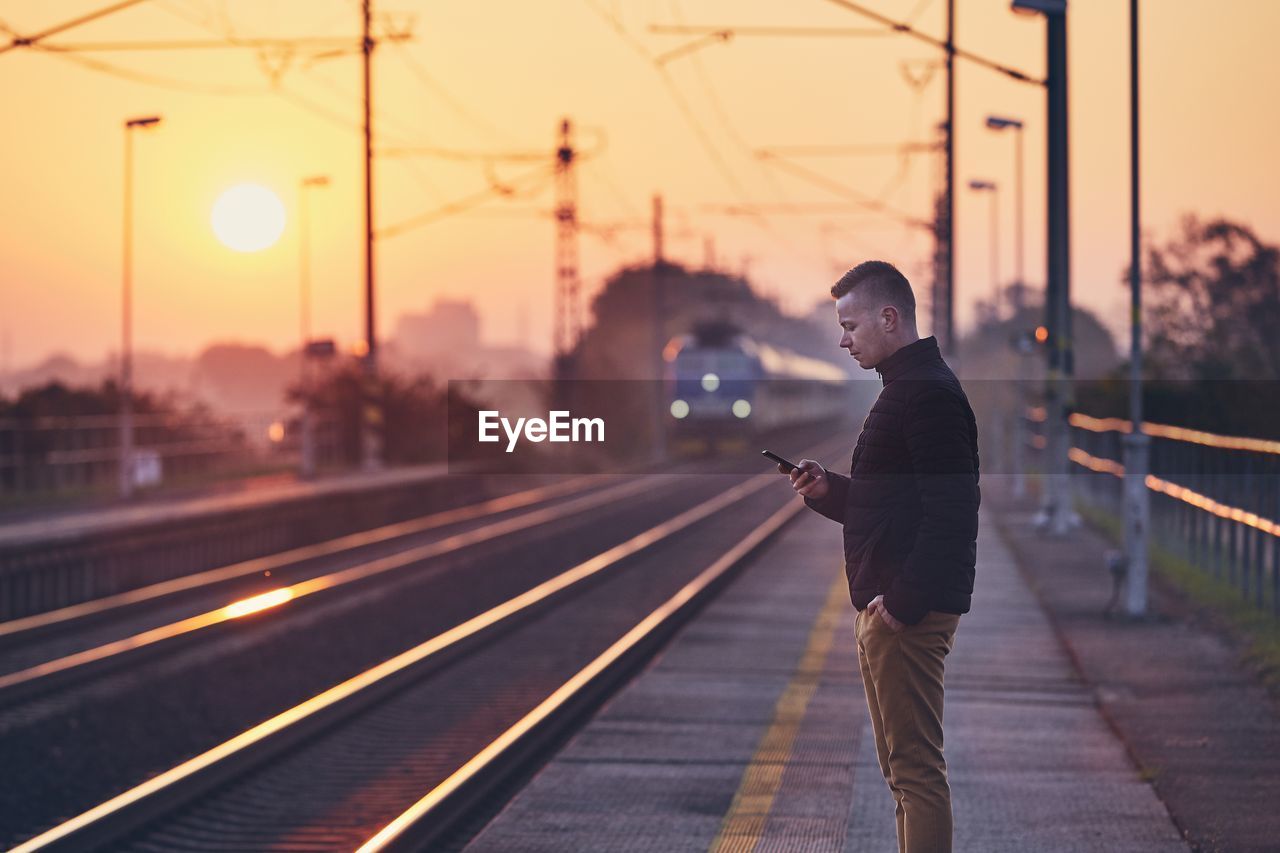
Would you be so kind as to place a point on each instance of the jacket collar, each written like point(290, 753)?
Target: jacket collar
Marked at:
point(907, 357)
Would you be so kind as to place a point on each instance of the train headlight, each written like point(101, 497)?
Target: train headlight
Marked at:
point(741, 408)
point(679, 409)
point(710, 382)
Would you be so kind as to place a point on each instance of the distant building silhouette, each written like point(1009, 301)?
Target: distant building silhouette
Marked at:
point(445, 342)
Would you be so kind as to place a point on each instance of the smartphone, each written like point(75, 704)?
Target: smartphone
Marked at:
point(776, 458)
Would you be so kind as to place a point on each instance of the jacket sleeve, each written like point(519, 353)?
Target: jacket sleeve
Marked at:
point(832, 505)
point(937, 431)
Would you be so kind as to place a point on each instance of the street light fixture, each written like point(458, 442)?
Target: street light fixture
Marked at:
point(994, 189)
point(999, 123)
point(126, 348)
point(308, 456)
point(1040, 7)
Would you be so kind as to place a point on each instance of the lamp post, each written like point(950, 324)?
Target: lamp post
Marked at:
point(126, 347)
point(993, 188)
point(371, 420)
point(1058, 515)
point(999, 123)
point(1137, 444)
point(307, 464)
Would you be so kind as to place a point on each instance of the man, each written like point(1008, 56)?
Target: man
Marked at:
point(910, 513)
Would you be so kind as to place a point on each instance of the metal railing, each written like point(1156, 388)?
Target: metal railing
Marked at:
point(53, 455)
point(1215, 499)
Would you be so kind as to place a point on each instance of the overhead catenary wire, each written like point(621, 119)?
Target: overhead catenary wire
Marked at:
point(902, 150)
point(899, 178)
point(907, 29)
point(147, 78)
point(840, 189)
point(227, 43)
point(509, 188)
point(454, 103)
point(191, 87)
point(461, 154)
point(710, 34)
point(803, 208)
point(727, 33)
point(599, 171)
point(497, 189)
point(227, 39)
point(917, 11)
point(722, 115)
point(852, 150)
point(34, 39)
point(704, 139)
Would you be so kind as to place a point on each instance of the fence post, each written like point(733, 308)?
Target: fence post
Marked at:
point(1244, 500)
point(1259, 544)
point(1275, 541)
point(1231, 498)
point(1216, 521)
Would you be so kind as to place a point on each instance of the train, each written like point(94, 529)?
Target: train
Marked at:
point(723, 387)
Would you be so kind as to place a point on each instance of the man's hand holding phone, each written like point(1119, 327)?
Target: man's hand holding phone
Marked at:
point(808, 478)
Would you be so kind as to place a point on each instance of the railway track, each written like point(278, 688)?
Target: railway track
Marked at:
point(51, 650)
point(399, 754)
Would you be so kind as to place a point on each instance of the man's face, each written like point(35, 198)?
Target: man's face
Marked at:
point(864, 330)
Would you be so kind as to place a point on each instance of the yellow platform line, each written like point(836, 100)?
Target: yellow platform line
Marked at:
point(743, 825)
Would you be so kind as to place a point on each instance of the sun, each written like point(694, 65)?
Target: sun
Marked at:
point(248, 218)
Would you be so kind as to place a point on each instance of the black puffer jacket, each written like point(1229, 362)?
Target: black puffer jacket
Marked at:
point(910, 503)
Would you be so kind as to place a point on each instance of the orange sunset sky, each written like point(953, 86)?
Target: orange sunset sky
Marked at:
point(485, 75)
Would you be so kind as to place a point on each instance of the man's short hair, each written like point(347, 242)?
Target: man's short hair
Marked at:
point(882, 283)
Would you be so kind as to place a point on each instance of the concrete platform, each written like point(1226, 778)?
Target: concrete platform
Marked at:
point(751, 732)
point(58, 525)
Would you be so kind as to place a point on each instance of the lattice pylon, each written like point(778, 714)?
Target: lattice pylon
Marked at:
point(568, 312)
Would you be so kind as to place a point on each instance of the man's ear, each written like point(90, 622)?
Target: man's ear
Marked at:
point(889, 315)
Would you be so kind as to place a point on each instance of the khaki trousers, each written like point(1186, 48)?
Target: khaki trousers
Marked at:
point(902, 674)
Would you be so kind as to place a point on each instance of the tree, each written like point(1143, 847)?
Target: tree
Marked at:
point(418, 416)
point(1213, 304)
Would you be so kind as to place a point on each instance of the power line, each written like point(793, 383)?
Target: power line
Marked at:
point(907, 29)
point(172, 7)
point(437, 89)
point(844, 191)
point(900, 175)
point(229, 43)
point(917, 11)
point(624, 201)
point(716, 157)
point(32, 40)
point(348, 94)
point(691, 47)
point(461, 154)
point(146, 78)
point(852, 150)
point(726, 33)
point(228, 40)
point(722, 114)
point(467, 202)
point(809, 208)
point(712, 151)
point(173, 84)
